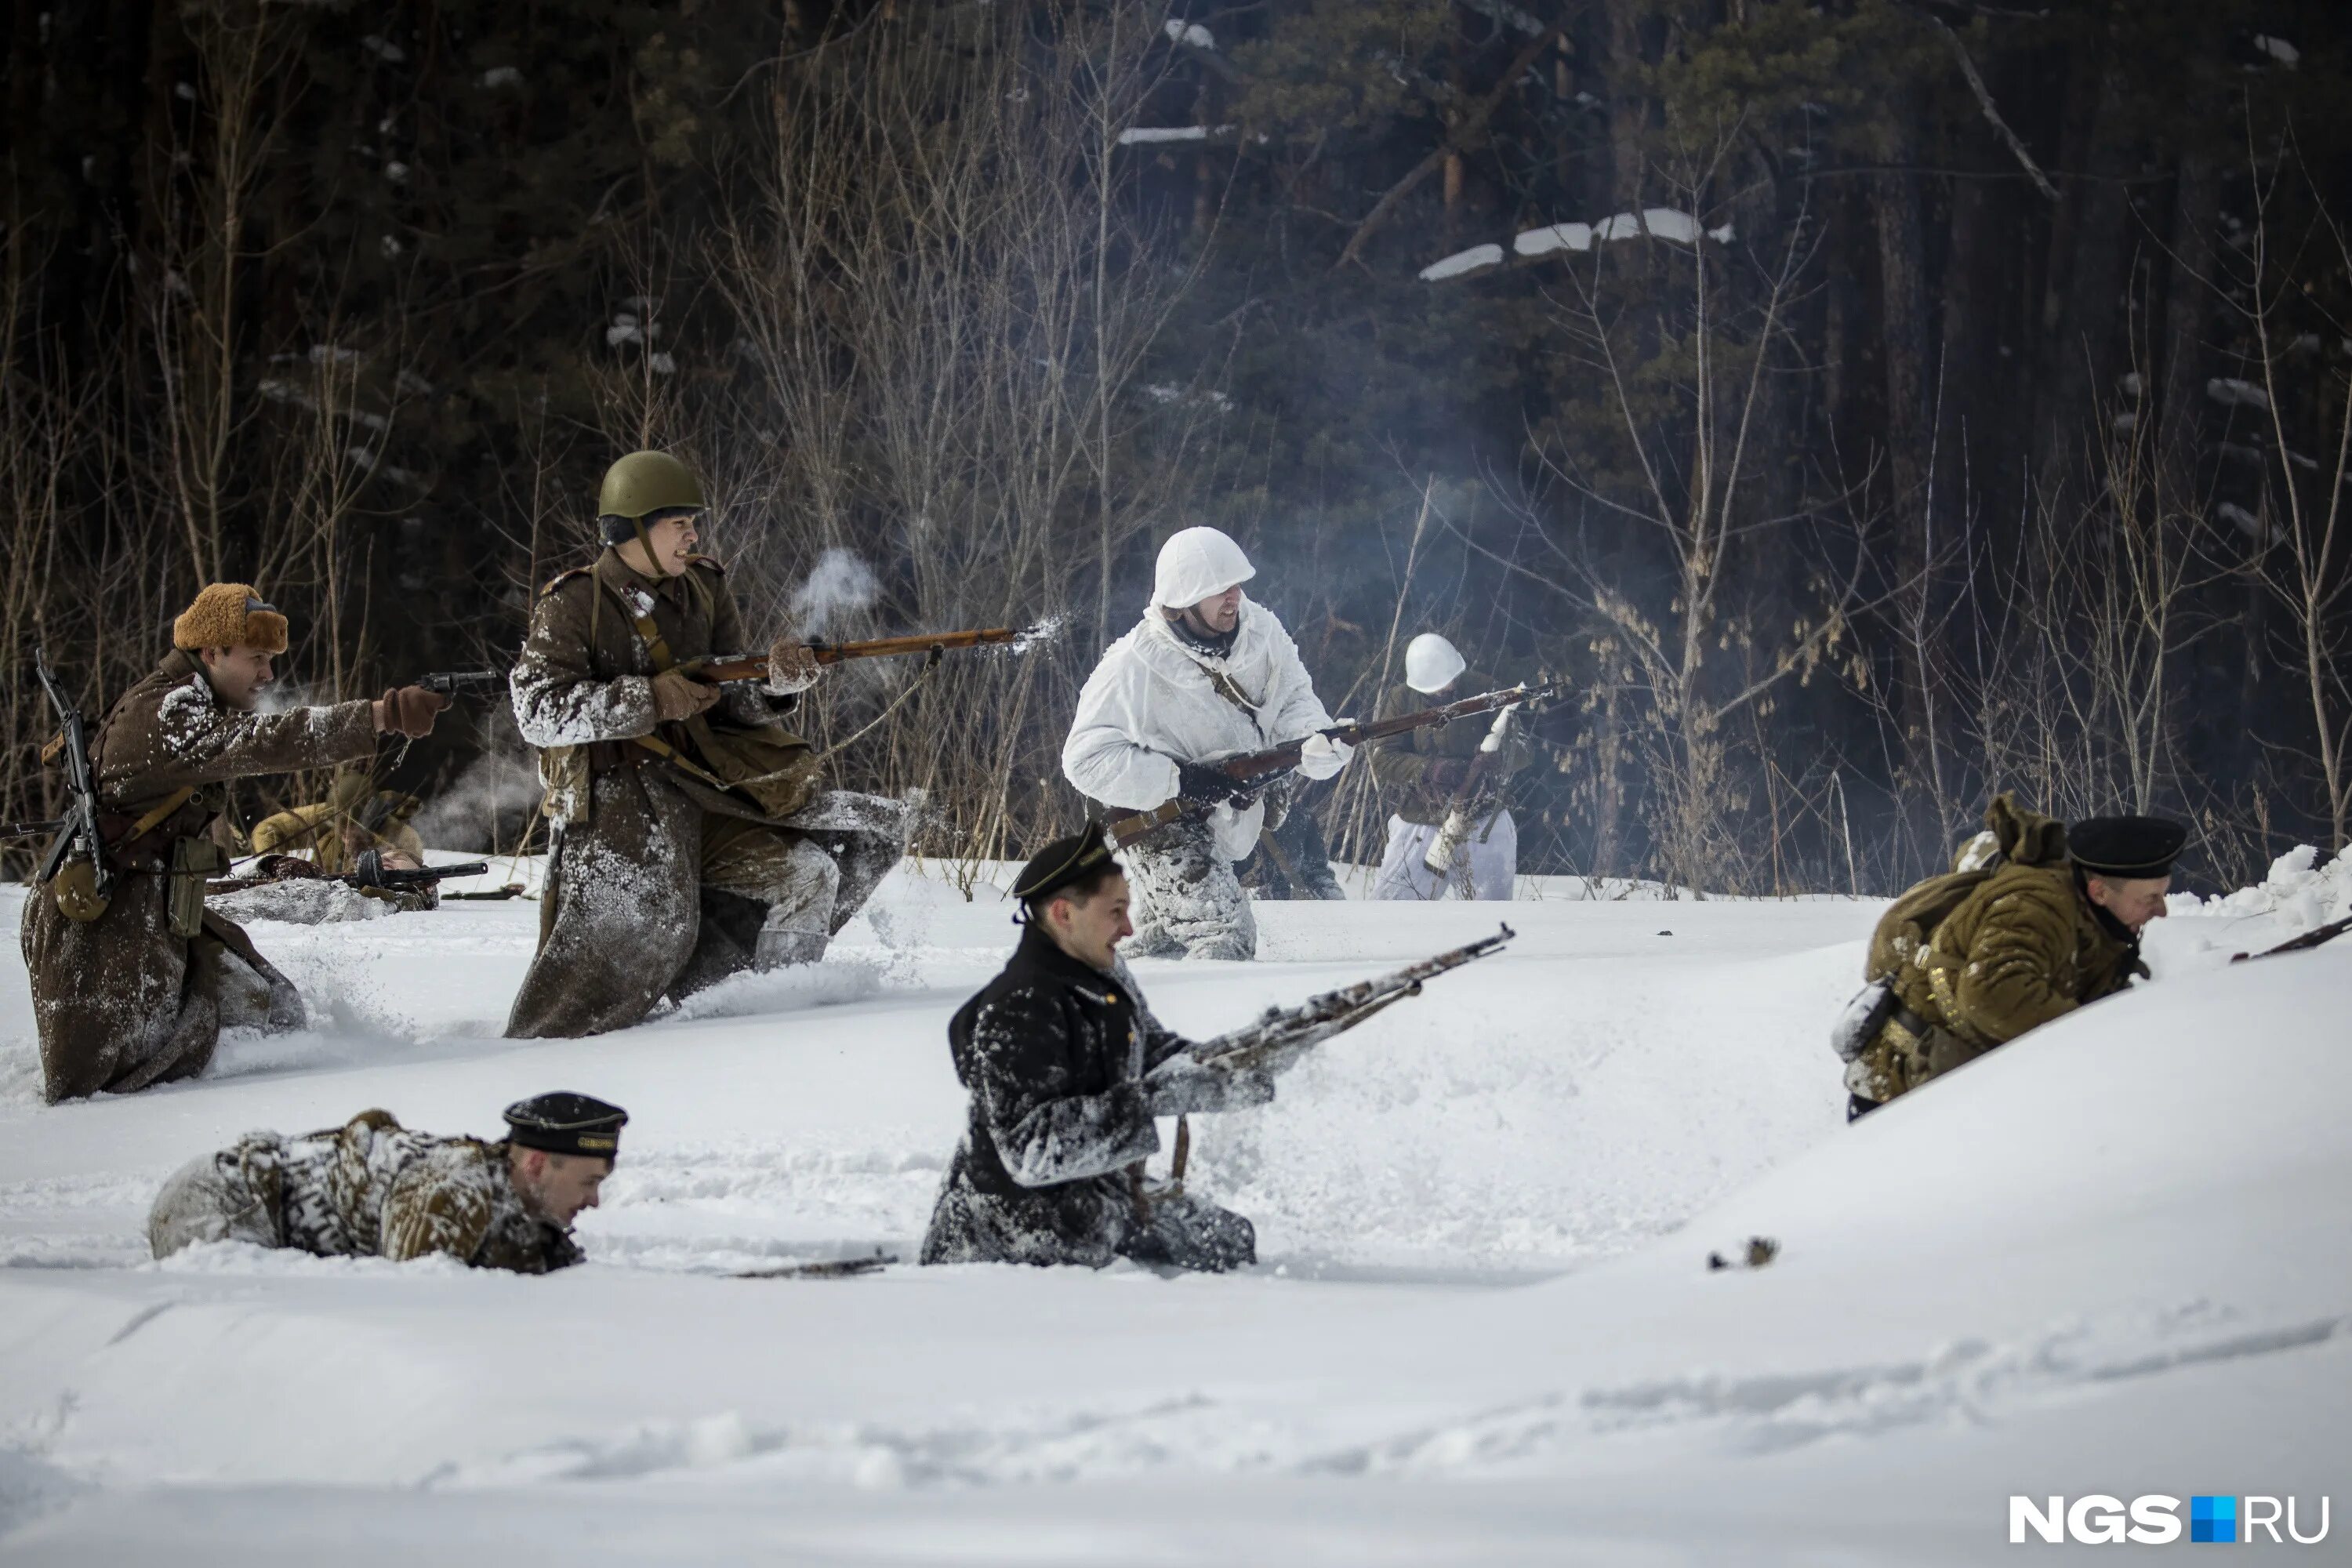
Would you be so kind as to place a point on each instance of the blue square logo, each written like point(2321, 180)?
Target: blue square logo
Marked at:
point(2213, 1519)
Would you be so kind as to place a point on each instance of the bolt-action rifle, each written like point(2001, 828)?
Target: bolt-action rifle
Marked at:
point(1282, 1030)
point(724, 668)
point(2317, 936)
point(1253, 768)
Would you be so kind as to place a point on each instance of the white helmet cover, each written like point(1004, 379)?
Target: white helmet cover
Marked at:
point(1431, 663)
point(1198, 564)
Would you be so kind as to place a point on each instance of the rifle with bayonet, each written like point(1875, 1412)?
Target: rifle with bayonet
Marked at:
point(1282, 1031)
point(1255, 768)
point(79, 848)
point(371, 872)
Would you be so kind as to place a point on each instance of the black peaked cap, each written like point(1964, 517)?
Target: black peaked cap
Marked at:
point(1061, 863)
point(562, 1122)
point(2125, 846)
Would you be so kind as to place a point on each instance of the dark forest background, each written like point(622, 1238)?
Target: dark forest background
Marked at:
point(1868, 405)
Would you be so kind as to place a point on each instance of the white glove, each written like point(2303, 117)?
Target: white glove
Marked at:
point(1321, 756)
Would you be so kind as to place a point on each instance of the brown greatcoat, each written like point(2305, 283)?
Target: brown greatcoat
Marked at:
point(120, 1001)
point(2024, 946)
point(1401, 761)
point(659, 884)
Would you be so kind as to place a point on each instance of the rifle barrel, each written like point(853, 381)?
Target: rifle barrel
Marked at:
point(754, 666)
point(1251, 766)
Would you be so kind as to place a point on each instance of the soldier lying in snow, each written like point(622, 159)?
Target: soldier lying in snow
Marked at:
point(338, 832)
point(2007, 941)
point(1066, 1067)
point(137, 991)
point(373, 1189)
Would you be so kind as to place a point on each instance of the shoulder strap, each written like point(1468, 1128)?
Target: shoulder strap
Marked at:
point(161, 809)
point(643, 620)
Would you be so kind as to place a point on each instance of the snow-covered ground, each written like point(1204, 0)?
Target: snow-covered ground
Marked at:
point(2113, 1258)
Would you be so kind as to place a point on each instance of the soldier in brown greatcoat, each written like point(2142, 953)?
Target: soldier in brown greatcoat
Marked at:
point(688, 838)
point(138, 993)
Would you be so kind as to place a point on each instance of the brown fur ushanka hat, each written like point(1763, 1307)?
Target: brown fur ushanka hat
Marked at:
point(230, 614)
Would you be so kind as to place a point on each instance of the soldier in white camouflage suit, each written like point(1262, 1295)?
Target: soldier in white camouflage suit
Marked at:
point(372, 1188)
point(1207, 673)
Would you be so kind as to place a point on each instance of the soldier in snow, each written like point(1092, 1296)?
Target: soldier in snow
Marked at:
point(372, 1188)
point(137, 990)
point(1207, 674)
point(1066, 1067)
point(690, 840)
point(1434, 775)
point(1963, 962)
point(354, 818)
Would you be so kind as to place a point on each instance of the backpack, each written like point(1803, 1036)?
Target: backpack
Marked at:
point(1908, 926)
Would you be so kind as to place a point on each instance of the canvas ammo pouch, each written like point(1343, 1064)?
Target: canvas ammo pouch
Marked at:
point(193, 862)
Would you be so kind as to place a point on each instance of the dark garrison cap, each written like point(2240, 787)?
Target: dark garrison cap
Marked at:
point(562, 1122)
point(2125, 846)
point(1061, 863)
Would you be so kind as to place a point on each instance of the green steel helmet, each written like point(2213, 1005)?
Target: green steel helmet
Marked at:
point(644, 483)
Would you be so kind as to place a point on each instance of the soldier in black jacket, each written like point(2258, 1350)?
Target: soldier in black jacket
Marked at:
point(1067, 1067)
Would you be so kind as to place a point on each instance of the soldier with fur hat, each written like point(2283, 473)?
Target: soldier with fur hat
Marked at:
point(2047, 922)
point(688, 838)
point(371, 1188)
point(1066, 1069)
point(136, 991)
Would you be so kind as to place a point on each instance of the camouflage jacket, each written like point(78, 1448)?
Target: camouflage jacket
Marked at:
point(316, 828)
point(372, 1188)
point(2025, 945)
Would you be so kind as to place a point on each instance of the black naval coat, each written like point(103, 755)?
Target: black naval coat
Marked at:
point(1054, 1052)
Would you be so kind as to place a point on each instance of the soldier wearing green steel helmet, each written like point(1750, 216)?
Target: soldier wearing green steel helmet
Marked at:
point(688, 839)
